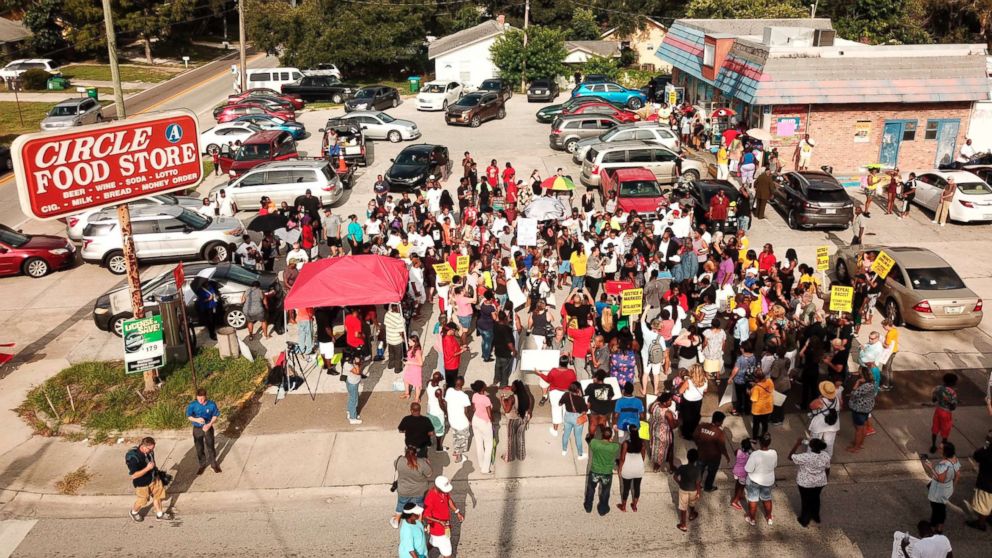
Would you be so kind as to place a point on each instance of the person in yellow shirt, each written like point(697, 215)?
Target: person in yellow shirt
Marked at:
point(722, 163)
point(404, 247)
point(889, 347)
point(578, 260)
point(762, 403)
point(743, 243)
point(873, 181)
point(807, 278)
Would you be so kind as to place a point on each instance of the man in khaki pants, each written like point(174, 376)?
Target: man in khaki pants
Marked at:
point(146, 479)
point(944, 207)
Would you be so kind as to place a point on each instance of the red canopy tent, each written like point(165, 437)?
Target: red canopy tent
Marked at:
point(349, 281)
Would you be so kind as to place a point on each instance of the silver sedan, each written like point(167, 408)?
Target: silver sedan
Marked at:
point(379, 125)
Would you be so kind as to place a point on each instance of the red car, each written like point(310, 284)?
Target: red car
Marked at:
point(636, 189)
point(260, 147)
point(33, 255)
point(227, 113)
point(603, 108)
point(265, 92)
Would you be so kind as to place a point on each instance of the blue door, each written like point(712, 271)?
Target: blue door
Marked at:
point(947, 137)
point(891, 137)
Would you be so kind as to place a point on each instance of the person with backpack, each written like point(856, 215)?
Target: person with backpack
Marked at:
point(742, 375)
point(825, 414)
point(148, 480)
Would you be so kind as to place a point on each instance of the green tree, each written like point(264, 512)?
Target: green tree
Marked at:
point(151, 19)
point(609, 67)
point(746, 9)
point(543, 57)
point(584, 26)
point(42, 18)
point(879, 21)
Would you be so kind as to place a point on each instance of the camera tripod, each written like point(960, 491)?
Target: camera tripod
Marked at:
point(300, 368)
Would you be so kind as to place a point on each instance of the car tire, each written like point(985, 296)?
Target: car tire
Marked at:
point(336, 98)
point(444, 105)
point(396, 103)
point(116, 262)
point(235, 317)
point(634, 103)
point(791, 220)
point(216, 252)
point(570, 145)
point(35, 267)
point(840, 270)
point(394, 136)
point(892, 312)
point(117, 323)
point(213, 148)
point(501, 114)
point(475, 122)
point(691, 174)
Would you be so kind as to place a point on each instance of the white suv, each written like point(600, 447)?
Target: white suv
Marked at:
point(162, 232)
point(18, 67)
point(75, 224)
point(437, 95)
point(283, 181)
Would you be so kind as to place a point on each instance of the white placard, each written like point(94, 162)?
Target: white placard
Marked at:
point(610, 380)
point(526, 231)
point(543, 360)
point(513, 292)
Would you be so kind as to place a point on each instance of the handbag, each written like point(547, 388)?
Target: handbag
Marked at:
point(583, 417)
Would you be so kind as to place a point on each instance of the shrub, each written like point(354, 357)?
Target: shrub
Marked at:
point(34, 79)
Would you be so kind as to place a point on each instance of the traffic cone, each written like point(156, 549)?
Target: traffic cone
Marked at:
point(342, 166)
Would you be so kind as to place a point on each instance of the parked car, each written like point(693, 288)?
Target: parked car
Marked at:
point(702, 191)
point(160, 233)
point(228, 113)
point(413, 166)
point(73, 112)
point(76, 224)
point(15, 68)
point(972, 198)
point(272, 78)
point(810, 199)
point(983, 171)
point(6, 159)
point(603, 108)
point(266, 122)
point(636, 188)
point(113, 307)
point(651, 132)
point(323, 70)
point(661, 161)
point(352, 142)
point(276, 104)
point(567, 131)
point(498, 85)
point(632, 99)
point(265, 92)
point(265, 146)
point(547, 114)
point(212, 139)
point(284, 181)
point(320, 88)
point(921, 290)
point(437, 95)
point(379, 125)
point(660, 82)
point(34, 255)
point(475, 108)
point(373, 97)
point(596, 78)
point(542, 90)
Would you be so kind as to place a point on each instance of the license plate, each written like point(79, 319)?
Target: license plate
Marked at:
point(954, 310)
point(831, 212)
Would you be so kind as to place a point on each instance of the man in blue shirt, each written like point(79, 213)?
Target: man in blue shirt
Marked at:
point(628, 410)
point(203, 414)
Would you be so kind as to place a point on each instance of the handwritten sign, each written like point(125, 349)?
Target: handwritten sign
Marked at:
point(631, 302)
point(822, 258)
point(444, 272)
point(883, 264)
point(461, 267)
point(527, 231)
point(841, 298)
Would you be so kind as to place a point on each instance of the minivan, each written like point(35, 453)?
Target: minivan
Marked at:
point(651, 132)
point(566, 131)
point(261, 147)
point(271, 78)
point(160, 232)
point(659, 160)
point(284, 181)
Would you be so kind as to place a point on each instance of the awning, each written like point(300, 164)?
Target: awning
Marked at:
point(349, 281)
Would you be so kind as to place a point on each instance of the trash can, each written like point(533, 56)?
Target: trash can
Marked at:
point(414, 83)
point(92, 93)
point(57, 83)
point(227, 342)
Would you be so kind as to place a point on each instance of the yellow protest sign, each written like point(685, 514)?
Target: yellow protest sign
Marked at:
point(631, 302)
point(444, 272)
point(822, 258)
point(462, 266)
point(883, 264)
point(841, 299)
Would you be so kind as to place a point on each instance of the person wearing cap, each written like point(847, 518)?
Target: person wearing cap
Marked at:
point(413, 539)
point(438, 507)
point(825, 414)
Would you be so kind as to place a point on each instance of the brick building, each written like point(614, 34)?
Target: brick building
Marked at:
point(899, 105)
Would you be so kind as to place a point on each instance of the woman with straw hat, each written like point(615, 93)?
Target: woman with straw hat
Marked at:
point(825, 414)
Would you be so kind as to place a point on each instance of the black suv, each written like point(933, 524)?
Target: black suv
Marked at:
point(542, 90)
point(498, 85)
point(373, 97)
point(812, 199)
point(415, 164)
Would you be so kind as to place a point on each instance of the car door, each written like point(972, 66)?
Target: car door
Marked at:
point(174, 237)
point(89, 107)
point(374, 128)
point(454, 92)
point(148, 240)
point(285, 148)
point(249, 190)
point(663, 164)
point(488, 106)
point(928, 190)
point(613, 159)
point(279, 185)
point(615, 93)
point(10, 262)
point(788, 191)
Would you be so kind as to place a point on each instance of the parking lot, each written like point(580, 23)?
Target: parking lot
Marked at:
point(51, 317)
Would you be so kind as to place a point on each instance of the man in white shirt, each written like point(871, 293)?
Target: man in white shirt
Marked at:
point(298, 254)
point(242, 251)
point(208, 209)
point(433, 196)
point(967, 151)
point(760, 469)
point(226, 205)
point(456, 402)
point(929, 545)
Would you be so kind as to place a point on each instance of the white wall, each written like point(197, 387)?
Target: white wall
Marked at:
point(471, 64)
point(577, 57)
point(980, 128)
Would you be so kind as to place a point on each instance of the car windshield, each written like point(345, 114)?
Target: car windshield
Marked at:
point(365, 94)
point(252, 152)
point(468, 101)
point(11, 238)
point(194, 219)
point(974, 188)
point(411, 158)
point(540, 83)
point(640, 189)
point(385, 117)
point(167, 199)
point(64, 110)
point(241, 275)
point(490, 84)
point(935, 279)
point(833, 196)
point(434, 88)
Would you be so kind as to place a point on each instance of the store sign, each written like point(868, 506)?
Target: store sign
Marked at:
point(87, 167)
point(144, 344)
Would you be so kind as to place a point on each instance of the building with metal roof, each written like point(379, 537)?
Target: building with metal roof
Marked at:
point(464, 56)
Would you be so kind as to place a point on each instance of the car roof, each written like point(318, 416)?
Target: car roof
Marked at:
point(291, 164)
point(420, 147)
point(712, 183)
point(264, 136)
point(634, 173)
point(957, 175)
point(355, 113)
point(585, 116)
point(645, 124)
point(819, 180)
point(912, 257)
point(139, 212)
point(626, 144)
point(71, 102)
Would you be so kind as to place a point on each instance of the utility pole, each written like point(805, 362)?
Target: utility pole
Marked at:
point(241, 45)
point(523, 77)
point(115, 72)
